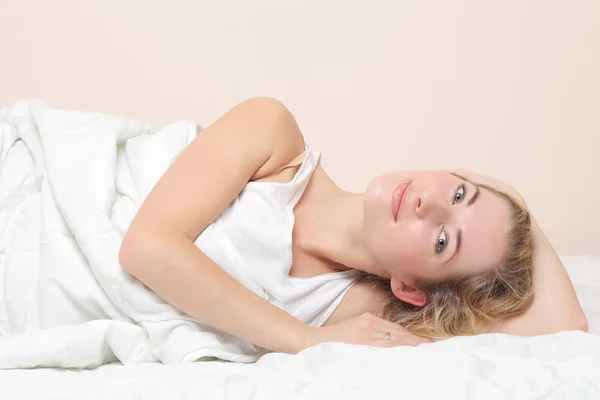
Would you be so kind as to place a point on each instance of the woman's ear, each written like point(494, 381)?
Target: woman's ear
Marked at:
point(407, 293)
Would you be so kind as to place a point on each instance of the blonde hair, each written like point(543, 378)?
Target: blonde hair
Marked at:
point(462, 305)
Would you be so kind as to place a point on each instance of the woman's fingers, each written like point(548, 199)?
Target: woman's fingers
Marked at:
point(399, 333)
point(368, 329)
point(394, 343)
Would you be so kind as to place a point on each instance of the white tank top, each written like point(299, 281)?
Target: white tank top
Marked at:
point(252, 241)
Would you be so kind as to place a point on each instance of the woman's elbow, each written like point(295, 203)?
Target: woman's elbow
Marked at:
point(579, 323)
point(135, 253)
point(147, 253)
point(127, 257)
point(582, 325)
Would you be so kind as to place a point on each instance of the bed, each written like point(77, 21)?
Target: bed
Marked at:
point(565, 365)
point(86, 201)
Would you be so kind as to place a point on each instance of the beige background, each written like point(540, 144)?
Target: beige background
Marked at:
point(507, 88)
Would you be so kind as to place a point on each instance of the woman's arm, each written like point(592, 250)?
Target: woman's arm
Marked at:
point(555, 306)
point(251, 141)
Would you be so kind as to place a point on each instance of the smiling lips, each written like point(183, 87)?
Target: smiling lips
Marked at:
point(399, 199)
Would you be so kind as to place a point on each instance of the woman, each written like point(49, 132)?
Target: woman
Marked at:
point(418, 256)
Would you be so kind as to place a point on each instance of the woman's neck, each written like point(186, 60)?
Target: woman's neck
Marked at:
point(329, 226)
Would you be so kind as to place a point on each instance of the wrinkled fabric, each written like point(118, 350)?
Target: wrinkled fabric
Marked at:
point(495, 366)
point(70, 184)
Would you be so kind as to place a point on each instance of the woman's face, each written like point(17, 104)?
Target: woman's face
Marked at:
point(444, 225)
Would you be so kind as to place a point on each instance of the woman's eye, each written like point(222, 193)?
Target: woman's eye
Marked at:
point(441, 243)
point(460, 194)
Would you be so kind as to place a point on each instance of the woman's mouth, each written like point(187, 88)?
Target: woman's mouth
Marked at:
point(399, 198)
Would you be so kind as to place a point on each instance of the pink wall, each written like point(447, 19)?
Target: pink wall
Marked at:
point(507, 88)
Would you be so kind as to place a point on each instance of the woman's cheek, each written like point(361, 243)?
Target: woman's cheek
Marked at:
point(415, 244)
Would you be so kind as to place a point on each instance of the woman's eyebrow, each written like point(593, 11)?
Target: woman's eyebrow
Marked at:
point(457, 248)
point(474, 197)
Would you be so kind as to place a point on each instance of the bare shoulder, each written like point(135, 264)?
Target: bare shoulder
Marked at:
point(252, 140)
point(259, 133)
point(272, 124)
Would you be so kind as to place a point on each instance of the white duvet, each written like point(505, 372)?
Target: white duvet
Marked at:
point(70, 183)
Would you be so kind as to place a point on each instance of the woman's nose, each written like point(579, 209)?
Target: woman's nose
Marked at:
point(427, 205)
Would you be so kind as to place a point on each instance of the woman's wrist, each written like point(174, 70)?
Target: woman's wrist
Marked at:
point(305, 338)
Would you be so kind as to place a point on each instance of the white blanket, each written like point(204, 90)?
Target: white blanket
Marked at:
point(71, 182)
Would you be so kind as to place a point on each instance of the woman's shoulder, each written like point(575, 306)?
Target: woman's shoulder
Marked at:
point(283, 134)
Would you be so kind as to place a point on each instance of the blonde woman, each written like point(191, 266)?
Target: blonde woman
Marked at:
point(247, 234)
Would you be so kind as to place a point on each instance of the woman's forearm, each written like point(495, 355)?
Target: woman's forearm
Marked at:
point(180, 273)
point(558, 306)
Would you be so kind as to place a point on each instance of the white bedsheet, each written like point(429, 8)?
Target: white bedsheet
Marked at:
point(60, 282)
point(560, 366)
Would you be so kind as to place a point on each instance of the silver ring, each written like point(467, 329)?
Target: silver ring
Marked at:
point(388, 336)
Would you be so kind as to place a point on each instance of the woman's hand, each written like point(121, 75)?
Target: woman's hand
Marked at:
point(366, 329)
